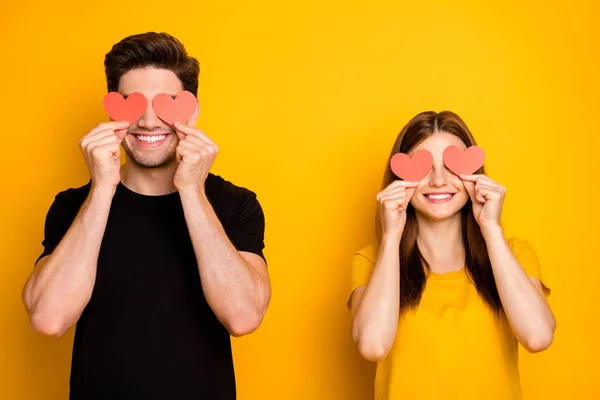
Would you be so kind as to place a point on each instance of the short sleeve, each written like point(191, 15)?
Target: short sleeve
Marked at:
point(246, 229)
point(363, 263)
point(59, 218)
point(528, 260)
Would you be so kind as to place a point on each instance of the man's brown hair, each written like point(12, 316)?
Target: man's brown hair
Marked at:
point(151, 49)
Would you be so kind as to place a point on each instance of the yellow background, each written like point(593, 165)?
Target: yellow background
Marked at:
point(305, 99)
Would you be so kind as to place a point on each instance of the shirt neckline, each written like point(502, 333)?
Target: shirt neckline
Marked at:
point(447, 275)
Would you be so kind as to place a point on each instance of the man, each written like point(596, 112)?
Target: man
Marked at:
point(159, 261)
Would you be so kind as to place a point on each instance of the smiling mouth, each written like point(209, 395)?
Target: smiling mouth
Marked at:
point(439, 196)
point(151, 138)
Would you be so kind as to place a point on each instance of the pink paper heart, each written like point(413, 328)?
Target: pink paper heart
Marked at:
point(412, 169)
point(129, 109)
point(180, 108)
point(467, 162)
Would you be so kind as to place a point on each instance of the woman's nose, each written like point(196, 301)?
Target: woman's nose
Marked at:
point(438, 176)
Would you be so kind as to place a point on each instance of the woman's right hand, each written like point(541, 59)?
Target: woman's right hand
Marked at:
point(393, 201)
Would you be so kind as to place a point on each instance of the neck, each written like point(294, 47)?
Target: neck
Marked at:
point(441, 243)
point(149, 181)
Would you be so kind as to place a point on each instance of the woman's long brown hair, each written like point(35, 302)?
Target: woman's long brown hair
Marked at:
point(413, 266)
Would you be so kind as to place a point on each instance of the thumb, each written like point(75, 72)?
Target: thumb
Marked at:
point(470, 187)
point(179, 134)
point(121, 134)
point(410, 191)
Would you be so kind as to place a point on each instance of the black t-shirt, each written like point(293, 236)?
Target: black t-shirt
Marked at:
point(147, 331)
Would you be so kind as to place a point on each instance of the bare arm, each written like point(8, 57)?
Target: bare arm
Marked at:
point(61, 284)
point(376, 306)
point(522, 297)
point(235, 284)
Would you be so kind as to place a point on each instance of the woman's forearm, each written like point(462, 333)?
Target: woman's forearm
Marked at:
point(375, 320)
point(526, 308)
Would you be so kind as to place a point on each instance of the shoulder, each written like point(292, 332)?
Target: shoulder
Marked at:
point(368, 253)
point(518, 245)
point(216, 186)
point(231, 201)
point(525, 255)
point(72, 197)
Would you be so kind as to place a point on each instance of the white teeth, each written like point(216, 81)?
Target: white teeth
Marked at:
point(439, 196)
point(150, 139)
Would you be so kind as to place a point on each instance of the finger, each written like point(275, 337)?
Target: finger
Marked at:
point(199, 141)
point(490, 193)
point(394, 203)
point(105, 140)
point(97, 136)
point(491, 188)
point(402, 183)
point(470, 187)
point(112, 125)
point(191, 145)
point(204, 150)
point(471, 178)
point(121, 134)
point(409, 193)
point(187, 154)
point(190, 130)
point(487, 180)
point(392, 192)
point(482, 179)
point(481, 195)
point(488, 183)
point(399, 197)
point(113, 148)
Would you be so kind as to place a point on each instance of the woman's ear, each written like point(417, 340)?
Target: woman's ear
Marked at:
point(194, 118)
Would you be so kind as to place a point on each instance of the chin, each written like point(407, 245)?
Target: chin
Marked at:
point(438, 216)
point(155, 162)
point(151, 160)
point(437, 212)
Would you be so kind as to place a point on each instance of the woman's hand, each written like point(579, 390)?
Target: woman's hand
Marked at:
point(487, 197)
point(393, 201)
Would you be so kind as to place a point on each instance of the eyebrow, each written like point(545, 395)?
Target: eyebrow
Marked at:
point(125, 95)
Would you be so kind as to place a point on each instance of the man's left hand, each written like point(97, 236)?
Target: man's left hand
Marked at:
point(195, 156)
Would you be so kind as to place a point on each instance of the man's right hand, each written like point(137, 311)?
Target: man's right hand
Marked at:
point(101, 149)
point(393, 201)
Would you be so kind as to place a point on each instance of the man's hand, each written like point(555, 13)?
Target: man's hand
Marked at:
point(195, 155)
point(101, 148)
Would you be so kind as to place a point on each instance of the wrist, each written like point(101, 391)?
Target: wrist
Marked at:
point(492, 232)
point(192, 191)
point(193, 195)
point(102, 190)
point(392, 236)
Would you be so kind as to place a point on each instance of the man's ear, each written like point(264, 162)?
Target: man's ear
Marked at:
point(194, 118)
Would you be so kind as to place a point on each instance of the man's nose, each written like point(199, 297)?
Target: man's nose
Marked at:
point(149, 119)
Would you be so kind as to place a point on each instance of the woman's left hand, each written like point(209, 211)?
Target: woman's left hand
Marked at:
point(487, 197)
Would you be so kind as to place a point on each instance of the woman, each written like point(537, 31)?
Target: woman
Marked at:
point(443, 299)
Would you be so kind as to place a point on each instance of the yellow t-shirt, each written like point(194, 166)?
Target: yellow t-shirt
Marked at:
point(451, 346)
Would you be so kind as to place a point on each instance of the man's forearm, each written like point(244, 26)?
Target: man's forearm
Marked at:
point(61, 285)
point(237, 293)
